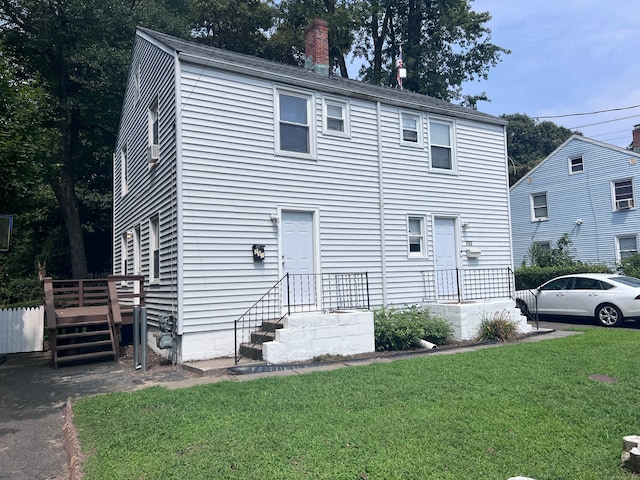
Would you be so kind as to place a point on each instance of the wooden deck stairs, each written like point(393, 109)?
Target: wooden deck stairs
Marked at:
point(267, 333)
point(84, 317)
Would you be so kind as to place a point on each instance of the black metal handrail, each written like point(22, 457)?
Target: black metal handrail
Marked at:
point(295, 293)
point(464, 285)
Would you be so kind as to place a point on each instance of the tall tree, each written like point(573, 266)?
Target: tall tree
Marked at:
point(287, 42)
point(236, 25)
point(530, 141)
point(79, 50)
point(444, 43)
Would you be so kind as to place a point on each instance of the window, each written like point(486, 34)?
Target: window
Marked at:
point(627, 246)
point(410, 128)
point(154, 134)
point(294, 126)
point(154, 249)
point(546, 245)
point(440, 135)
point(124, 254)
point(576, 165)
point(137, 249)
point(623, 195)
point(539, 210)
point(558, 284)
point(336, 116)
point(581, 283)
point(124, 171)
point(416, 237)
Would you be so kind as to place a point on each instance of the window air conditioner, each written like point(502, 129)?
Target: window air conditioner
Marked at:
point(624, 204)
point(154, 154)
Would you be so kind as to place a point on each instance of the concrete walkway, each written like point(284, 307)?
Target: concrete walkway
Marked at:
point(33, 397)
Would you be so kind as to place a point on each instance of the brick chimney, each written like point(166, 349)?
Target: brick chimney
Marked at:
point(316, 46)
point(635, 144)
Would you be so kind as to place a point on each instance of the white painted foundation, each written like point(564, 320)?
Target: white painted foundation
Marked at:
point(310, 335)
point(466, 318)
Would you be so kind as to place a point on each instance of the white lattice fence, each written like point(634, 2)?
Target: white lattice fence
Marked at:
point(21, 329)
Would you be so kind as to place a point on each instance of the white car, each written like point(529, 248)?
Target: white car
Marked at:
point(610, 298)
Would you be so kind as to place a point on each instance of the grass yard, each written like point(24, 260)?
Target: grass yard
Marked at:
point(526, 409)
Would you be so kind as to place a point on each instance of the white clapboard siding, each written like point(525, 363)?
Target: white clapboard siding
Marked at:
point(21, 329)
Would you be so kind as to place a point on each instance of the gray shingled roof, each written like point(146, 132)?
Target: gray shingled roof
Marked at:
point(297, 76)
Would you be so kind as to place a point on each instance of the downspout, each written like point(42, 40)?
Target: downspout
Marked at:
point(179, 204)
point(506, 171)
point(383, 254)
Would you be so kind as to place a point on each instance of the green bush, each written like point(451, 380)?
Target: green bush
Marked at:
point(22, 292)
point(498, 326)
point(630, 266)
point(533, 277)
point(402, 328)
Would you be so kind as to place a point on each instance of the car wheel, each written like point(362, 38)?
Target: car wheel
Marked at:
point(608, 315)
point(523, 308)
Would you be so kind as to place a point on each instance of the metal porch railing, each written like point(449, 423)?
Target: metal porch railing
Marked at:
point(465, 285)
point(295, 293)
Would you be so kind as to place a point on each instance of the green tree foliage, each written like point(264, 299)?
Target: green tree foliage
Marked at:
point(630, 266)
point(444, 44)
point(79, 51)
point(530, 141)
point(236, 25)
point(287, 42)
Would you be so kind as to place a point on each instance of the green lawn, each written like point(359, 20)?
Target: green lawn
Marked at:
point(526, 409)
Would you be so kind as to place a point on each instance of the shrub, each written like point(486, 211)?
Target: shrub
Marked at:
point(402, 328)
point(630, 266)
point(22, 292)
point(533, 277)
point(498, 326)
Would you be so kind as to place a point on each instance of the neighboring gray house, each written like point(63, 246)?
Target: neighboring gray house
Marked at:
point(586, 189)
point(231, 171)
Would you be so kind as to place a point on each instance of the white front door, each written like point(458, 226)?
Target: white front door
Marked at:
point(298, 257)
point(446, 256)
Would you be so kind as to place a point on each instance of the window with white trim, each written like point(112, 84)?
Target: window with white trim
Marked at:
point(294, 123)
point(336, 117)
point(539, 207)
point(441, 144)
point(137, 250)
point(415, 232)
point(124, 253)
point(410, 128)
point(627, 246)
point(154, 134)
point(623, 197)
point(154, 249)
point(124, 171)
point(576, 165)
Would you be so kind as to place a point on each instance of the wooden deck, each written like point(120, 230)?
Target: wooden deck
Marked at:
point(84, 316)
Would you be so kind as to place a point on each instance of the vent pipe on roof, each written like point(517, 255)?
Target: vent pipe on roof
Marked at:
point(635, 144)
point(316, 46)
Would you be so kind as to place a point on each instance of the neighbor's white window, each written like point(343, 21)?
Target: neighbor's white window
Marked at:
point(124, 171)
point(576, 165)
point(336, 117)
point(623, 194)
point(137, 250)
point(154, 248)
point(627, 246)
point(294, 123)
point(410, 132)
point(539, 208)
point(416, 236)
point(441, 144)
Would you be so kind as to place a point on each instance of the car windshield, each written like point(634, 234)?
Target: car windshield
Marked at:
point(631, 281)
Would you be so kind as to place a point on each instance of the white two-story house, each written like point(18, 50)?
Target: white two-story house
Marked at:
point(231, 172)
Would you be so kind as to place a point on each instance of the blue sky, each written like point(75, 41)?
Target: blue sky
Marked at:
point(568, 56)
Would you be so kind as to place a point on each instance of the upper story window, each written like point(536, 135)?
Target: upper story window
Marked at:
point(154, 249)
point(627, 246)
point(539, 208)
point(154, 134)
point(576, 165)
point(416, 236)
point(336, 117)
point(441, 144)
point(410, 134)
point(124, 171)
point(622, 191)
point(294, 123)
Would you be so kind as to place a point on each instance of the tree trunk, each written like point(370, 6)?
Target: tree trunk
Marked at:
point(64, 190)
